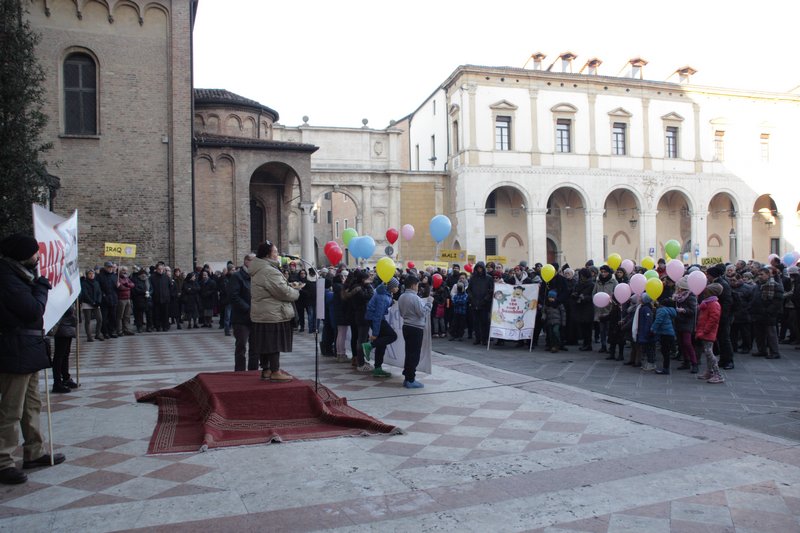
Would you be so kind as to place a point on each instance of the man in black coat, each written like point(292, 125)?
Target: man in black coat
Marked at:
point(239, 291)
point(160, 296)
point(716, 274)
point(480, 290)
point(23, 352)
point(108, 281)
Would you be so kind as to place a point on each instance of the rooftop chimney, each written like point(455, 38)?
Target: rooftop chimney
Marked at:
point(538, 57)
point(566, 61)
point(686, 73)
point(593, 64)
point(637, 67)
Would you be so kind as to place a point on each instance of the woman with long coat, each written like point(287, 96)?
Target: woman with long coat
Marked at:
point(271, 310)
point(190, 299)
point(584, 307)
point(208, 298)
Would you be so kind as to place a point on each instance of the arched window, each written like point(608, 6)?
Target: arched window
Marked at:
point(80, 95)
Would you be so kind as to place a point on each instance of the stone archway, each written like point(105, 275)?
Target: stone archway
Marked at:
point(673, 221)
point(566, 222)
point(274, 186)
point(621, 224)
point(721, 227)
point(505, 224)
point(767, 228)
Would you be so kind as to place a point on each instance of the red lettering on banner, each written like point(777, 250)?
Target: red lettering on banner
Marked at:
point(51, 261)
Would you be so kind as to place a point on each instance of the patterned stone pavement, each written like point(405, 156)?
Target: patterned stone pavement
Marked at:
point(484, 449)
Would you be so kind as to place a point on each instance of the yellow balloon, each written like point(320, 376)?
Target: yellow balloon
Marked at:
point(614, 261)
point(648, 263)
point(654, 288)
point(548, 272)
point(386, 269)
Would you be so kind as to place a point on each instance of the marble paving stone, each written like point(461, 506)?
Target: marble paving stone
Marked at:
point(140, 488)
point(48, 498)
point(707, 514)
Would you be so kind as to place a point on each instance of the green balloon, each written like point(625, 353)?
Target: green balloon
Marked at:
point(673, 248)
point(651, 274)
point(348, 234)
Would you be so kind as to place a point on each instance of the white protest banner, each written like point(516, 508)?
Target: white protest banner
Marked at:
point(396, 352)
point(58, 260)
point(513, 311)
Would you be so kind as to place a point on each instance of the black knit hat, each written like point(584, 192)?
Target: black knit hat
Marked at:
point(19, 247)
point(716, 271)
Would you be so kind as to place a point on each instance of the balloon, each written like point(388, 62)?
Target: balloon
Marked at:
point(468, 267)
point(622, 292)
point(614, 260)
point(601, 299)
point(789, 259)
point(407, 232)
point(437, 281)
point(672, 248)
point(333, 253)
point(697, 282)
point(440, 227)
point(410, 264)
point(648, 263)
point(388, 250)
point(627, 266)
point(651, 274)
point(347, 235)
point(654, 288)
point(362, 247)
point(330, 245)
point(637, 283)
point(675, 270)
point(548, 272)
point(771, 257)
point(385, 269)
point(686, 257)
point(391, 235)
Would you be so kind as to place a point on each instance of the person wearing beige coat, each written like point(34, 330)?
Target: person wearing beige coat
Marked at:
point(271, 312)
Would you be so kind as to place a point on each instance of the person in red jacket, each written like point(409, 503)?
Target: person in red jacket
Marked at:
point(124, 304)
point(708, 316)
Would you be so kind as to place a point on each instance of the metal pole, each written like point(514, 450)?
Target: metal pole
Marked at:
point(49, 418)
point(78, 343)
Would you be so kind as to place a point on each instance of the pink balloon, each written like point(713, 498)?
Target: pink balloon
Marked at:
point(601, 299)
point(675, 270)
point(622, 292)
point(627, 266)
point(637, 283)
point(407, 232)
point(771, 257)
point(697, 282)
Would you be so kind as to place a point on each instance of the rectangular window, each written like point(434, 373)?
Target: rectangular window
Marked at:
point(502, 133)
point(765, 147)
point(491, 245)
point(563, 141)
point(433, 149)
point(455, 137)
point(315, 215)
point(327, 195)
point(434, 107)
point(618, 138)
point(775, 246)
point(345, 224)
point(671, 148)
point(330, 217)
point(719, 145)
point(337, 229)
point(416, 156)
point(80, 95)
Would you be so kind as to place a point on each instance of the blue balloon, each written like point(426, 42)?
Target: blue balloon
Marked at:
point(362, 247)
point(789, 259)
point(440, 227)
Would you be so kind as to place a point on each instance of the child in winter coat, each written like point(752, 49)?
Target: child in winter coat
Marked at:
point(643, 334)
point(665, 331)
point(382, 333)
point(555, 318)
point(708, 315)
point(460, 305)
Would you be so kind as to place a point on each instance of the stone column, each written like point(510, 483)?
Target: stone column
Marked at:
point(647, 233)
point(537, 235)
point(594, 235)
point(394, 203)
point(648, 163)
point(307, 231)
point(473, 129)
point(698, 161)
point(593, 159)
point(536, 156)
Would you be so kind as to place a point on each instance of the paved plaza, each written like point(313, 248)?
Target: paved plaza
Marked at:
point(485, 448)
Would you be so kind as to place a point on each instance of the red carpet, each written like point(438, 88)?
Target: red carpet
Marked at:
point(237, 408)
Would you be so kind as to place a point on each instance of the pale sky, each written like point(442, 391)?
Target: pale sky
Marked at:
point(340, 62)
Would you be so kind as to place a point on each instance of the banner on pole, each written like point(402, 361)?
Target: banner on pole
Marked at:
point(119, 249)
point(514, 311)
point(497, 259)
point(396, 352)
point(58, 260)
point(453, 256)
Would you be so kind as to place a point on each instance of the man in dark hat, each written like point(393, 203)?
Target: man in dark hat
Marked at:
point(23, 352)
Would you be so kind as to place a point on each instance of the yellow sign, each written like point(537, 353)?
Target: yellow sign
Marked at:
point(710, 261)
point(117, 249)
point(497, 259)
point(471, 258)
point(453, 255)
point(436, 264)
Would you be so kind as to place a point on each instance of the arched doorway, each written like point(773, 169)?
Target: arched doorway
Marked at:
point(334, 212)
point(566, 222)
point(621, 225)
point(766, 228)
point(674, 221)
point(274, 187)
point(552, 252)
point(721, 227)
point(506, 225)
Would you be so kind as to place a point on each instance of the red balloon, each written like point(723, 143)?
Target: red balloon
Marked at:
point(468, 267)
point(392, 235)
point(410, 264)
point(329, 245)
point(333, 253)
point(437, 281)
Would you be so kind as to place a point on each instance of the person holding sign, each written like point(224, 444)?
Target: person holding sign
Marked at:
point(23, 353)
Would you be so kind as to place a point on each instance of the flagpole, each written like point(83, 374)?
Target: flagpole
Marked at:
point(49, 417)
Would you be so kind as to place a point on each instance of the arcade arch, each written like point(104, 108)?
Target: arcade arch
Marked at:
point(505, 224)
point(566, 223)
point(721, 227)
point(621, 224)
point(673, 221)
point(767, 228)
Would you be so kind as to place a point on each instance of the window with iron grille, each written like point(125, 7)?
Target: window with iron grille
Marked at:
point(491, 245)
point(80, 95)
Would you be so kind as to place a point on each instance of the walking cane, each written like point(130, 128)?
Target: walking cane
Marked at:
point(49, 418)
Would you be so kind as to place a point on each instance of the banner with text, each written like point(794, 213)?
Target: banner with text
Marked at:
point(453, 256)
point(514, 311)
point(58, 260)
